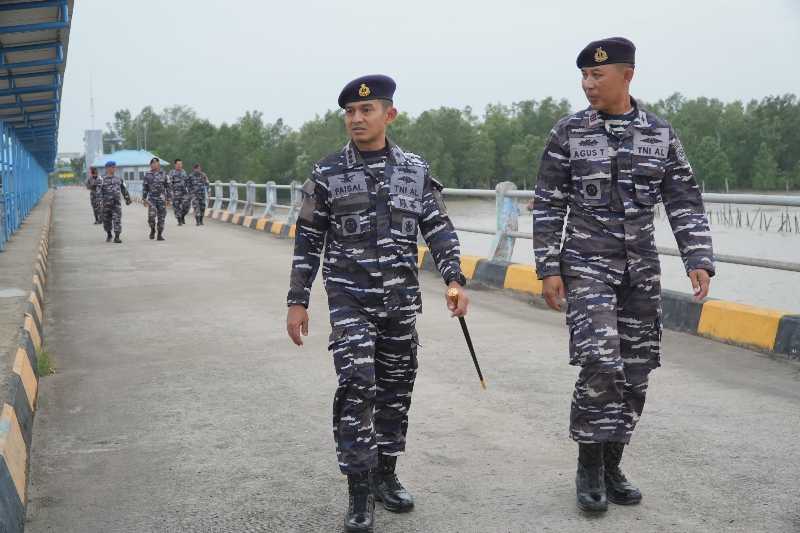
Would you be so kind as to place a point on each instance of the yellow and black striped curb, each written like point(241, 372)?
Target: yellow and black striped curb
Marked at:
point(753, 327)
point(19, 406)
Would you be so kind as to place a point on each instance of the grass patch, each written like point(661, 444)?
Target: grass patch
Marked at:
point(44, 362)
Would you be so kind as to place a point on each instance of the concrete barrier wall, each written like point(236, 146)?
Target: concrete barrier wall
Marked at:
point(765, 330)
point(19, 405)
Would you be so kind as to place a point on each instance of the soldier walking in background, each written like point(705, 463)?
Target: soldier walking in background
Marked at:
point(611, 164)
point(198, 187)
point(156, 195)
point(180, 192)
point(364, 206)
point(95, 198)
point(111, 187)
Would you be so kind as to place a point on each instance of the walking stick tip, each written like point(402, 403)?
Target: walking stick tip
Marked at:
point(483, 384)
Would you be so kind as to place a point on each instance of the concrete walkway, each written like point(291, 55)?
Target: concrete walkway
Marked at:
point(180, 405)
point(16, 273)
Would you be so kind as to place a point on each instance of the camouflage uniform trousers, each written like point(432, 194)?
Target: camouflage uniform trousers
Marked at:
point(180, 204)
point(376, 364)
point(199, 202)
point(96, 199)
point(615, 336)
point(112, 215)
point(157, 208)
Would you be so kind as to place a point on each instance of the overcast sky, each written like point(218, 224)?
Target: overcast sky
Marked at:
point(290, 59)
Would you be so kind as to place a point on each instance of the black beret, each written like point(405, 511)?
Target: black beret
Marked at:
point(372, 87)
point(607, 52)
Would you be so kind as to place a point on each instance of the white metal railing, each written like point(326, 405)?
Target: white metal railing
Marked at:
point(506, 230)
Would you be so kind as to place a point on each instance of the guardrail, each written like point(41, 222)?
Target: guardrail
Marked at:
point(506, 230)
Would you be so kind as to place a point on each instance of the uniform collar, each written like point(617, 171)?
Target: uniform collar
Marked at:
point(353, 157)
point(593, 119)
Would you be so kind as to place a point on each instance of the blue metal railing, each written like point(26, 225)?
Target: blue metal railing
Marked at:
point(23, 182)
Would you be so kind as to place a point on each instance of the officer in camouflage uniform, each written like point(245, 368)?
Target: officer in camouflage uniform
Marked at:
point(198, 185)
point(111, 187)
point(365, 205)
point(156, 195)
point(180, 192)
point(611, 165)
point(95, 198)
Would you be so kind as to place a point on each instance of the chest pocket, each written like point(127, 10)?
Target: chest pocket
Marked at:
point(650, 151)
point(406, 187)
point(591, 169)
point(350, 205)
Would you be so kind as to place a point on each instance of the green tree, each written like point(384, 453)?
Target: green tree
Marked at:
point(765, 169)
point(711, 166)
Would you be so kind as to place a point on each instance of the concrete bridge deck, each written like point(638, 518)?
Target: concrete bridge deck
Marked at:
point(180, 405)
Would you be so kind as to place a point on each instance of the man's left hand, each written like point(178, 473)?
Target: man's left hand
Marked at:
point(700, 283)
point(459, 308)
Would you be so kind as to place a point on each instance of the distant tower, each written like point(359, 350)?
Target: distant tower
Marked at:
point(91, 100)
point(93, 146)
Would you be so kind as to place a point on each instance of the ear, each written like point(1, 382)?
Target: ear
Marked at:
point(628, 75)
point(391, 114)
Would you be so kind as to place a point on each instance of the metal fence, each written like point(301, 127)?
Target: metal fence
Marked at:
point(506, 231)
point(23, 182)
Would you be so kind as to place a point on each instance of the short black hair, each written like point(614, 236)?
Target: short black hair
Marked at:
point(181, 160)
point(154, 159)
point(196, 165)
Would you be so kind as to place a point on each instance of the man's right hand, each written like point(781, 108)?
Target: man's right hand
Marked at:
point(553, 290)
point(297, 323)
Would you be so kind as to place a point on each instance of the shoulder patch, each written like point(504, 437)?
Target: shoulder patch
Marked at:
point(309, 186)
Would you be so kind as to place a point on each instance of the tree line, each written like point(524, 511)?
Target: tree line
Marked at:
point(752, 146)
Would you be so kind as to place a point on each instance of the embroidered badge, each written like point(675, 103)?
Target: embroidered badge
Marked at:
point(600, 55)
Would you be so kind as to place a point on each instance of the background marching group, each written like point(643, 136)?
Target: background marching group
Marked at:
point(159, 190)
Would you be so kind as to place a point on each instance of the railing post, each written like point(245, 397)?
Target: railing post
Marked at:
point(218, 195)
point(271, 198)
point(233, 196)
point(250, 198)
point(296, 200)
point(507, 220)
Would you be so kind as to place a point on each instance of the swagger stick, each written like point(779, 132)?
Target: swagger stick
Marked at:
point(452, 295)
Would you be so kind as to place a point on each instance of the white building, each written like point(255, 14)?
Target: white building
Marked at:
point(131, 164)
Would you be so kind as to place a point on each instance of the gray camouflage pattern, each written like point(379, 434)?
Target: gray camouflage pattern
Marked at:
point(599, 190)
point(95, 197)
point(111, 188)
point(197, 185)
point(365, 217)
point(180, 192)
point(156, 191)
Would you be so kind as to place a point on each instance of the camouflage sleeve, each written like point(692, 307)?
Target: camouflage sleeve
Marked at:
point(168, 190)
point(124, 191)
point(439, 233)
point(685, 210)
point(145, 189)
point(312, 225)
point(550, 204)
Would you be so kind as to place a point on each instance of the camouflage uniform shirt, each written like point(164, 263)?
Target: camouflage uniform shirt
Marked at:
point(366, 217)
point(611, 180)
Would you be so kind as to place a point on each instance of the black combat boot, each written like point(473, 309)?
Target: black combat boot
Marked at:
point(388, 489)
point(160, 235)
point(152, 231)
point(361, 506)
point(589, 482)
point(108, 236)
point(201, 220)
point(116, 238)
point(197, 221)
point(619, 489)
